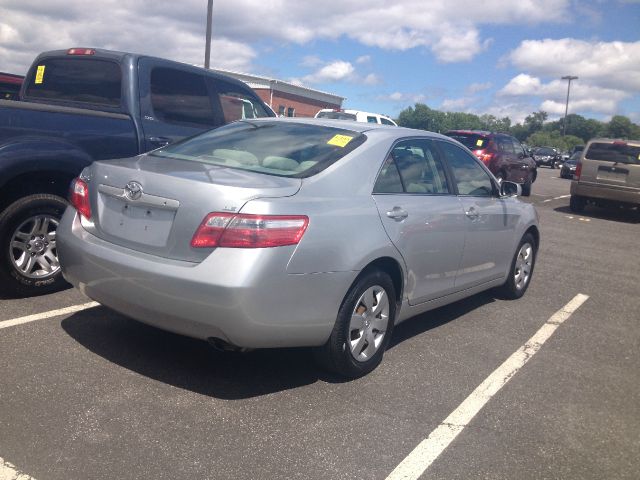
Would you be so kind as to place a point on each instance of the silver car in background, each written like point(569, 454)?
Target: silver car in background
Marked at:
point(291, 232)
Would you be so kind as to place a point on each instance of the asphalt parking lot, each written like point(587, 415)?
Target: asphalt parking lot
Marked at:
point(93, 395)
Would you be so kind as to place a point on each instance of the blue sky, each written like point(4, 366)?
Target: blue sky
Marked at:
point(498, 57)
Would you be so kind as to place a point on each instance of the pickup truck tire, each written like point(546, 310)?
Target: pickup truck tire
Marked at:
point(28, 255)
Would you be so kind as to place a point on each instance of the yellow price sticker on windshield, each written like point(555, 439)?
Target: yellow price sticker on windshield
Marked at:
point(479, 142)
point(340, 140)
point(39, 74)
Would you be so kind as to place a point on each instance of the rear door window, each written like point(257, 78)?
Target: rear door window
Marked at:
point(413, 166)
point(78, 80)
point(180, 97)
point(618, 152)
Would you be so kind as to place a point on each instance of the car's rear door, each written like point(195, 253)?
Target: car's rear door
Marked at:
point(422, 217)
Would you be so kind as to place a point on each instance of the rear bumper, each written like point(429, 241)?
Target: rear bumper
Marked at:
point(242, 296)
point(606, 192)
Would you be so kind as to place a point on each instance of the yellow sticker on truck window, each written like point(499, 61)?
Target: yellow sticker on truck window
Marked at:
point(479, 142)
point(39, 74)
point(340, 140)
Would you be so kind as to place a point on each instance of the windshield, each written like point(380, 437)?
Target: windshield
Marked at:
point(619, 152)
point(545, 151)
point(275, 148)
point(472, 141)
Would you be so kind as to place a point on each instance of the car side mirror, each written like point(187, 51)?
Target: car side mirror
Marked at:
point(510, 189)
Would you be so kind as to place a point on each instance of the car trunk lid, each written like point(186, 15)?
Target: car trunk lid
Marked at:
point(155, 204)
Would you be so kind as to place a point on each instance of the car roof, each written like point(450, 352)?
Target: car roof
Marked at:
point(477, 132)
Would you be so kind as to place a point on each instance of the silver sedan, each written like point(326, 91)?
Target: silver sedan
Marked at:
point(291, 232)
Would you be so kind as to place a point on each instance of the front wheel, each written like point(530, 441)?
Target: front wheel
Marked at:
point(521, 269)
point(363, 327)
point(28, 252)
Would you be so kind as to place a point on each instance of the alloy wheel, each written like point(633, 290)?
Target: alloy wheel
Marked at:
point(523, 266)
point(368, 323)
point(33, 247)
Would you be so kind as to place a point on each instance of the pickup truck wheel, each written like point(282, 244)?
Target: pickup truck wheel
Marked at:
point(28, 254)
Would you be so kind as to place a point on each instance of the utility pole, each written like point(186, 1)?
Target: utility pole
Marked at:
point(207, 47)
point(566, 108)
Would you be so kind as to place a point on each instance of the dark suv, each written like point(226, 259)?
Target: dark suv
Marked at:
point(548, 156)
point(502, 154)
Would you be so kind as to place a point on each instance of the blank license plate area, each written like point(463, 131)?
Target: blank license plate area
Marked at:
point(139, 224)
point(612, 175)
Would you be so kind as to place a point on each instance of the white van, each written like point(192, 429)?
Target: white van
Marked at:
point(356, 115)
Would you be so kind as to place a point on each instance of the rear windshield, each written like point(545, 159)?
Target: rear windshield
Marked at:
point(78, 80)
point(275, 148)
point(336, 115)
point(619, 152)
point(544, 151)
point(472, 141)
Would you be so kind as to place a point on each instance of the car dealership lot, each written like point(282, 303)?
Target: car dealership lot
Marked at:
point(94, 395)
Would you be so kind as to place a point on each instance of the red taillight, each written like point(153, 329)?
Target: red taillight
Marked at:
point(576, 175)
point(79, 197)
point(81, 51)
point(483, 156)
point(249, 231)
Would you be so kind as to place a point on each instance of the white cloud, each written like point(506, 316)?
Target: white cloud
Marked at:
point(332, 72)
point(405, 98)
point(363, 59)
point(176, 29)
point(478, 87)
point(606, 64)
point(584, 97)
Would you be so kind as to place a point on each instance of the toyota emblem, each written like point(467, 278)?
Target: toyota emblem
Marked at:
point(133, 190)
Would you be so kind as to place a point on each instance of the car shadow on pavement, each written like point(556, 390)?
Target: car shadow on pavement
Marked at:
point(615, 214)
point(420, 324)
point(194, 365)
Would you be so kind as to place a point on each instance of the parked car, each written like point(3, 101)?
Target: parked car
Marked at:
point(10, 85)
point(502, 154)
point(547, 156)
point(569, 167)
point(80, 105)
point(607, 174)
point(356, 115)
point(296, 232)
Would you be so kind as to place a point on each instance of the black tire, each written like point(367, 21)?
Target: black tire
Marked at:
point(521, 269)
point(336, 355)
point(20, 218)
point(577, 203)
point(526, 188)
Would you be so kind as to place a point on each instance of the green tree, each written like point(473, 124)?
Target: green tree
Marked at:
point(621, 127)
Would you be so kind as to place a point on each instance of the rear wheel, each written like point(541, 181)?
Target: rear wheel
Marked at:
point(577, 203)
point(526, 188)
point(363, 327)
point(521, 269)
point(28, 252)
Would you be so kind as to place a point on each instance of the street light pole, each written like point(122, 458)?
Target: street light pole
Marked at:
point(207, 48)
point(566, 108)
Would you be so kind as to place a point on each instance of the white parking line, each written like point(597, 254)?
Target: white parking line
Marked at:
point(9, 472)
point(45, 315)
point(555, 198)
point(417, 462)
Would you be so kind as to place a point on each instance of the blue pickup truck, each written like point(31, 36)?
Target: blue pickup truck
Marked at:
point(80, 105)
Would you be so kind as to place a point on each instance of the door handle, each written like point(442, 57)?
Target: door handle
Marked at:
point(397, 213)
point(160, 141)
point(472, 213)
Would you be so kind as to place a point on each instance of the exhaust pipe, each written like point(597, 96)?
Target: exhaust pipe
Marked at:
point(223, 346)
